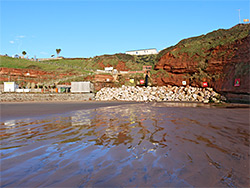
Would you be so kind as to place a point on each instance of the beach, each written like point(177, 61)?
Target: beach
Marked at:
point(116, 144)
point(15, 110)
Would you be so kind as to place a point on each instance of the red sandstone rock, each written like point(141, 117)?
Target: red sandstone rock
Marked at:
point(103, 78)
point(235, 59)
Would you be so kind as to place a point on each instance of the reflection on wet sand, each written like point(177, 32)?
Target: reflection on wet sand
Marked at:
point(144, 145)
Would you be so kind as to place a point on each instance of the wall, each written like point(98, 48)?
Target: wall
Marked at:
point(48, 59)
point(22, 97)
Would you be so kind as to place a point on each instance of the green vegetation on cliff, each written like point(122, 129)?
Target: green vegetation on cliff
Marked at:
point(201, 45)
point(53, 65)
point(80, 65)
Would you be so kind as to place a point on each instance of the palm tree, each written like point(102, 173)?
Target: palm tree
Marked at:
point(24, 53)
point(58, 51)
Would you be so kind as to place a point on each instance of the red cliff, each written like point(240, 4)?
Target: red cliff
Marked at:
point(218, 58)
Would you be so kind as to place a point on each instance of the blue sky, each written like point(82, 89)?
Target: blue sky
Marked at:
point(84, 28)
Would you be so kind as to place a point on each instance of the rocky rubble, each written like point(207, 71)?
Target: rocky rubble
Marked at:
point(164, 93)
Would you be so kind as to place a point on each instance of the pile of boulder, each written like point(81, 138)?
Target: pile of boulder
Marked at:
point(163, 93)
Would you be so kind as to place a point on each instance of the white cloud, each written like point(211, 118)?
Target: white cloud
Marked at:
point(21, 36)
point(12, 42)
point(44, 53)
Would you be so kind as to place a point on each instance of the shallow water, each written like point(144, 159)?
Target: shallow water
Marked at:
point(139, 145)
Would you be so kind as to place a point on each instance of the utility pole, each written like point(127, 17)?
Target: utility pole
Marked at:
point(239, 15)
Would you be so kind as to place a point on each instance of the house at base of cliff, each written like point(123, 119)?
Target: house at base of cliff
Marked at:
point(142, 52)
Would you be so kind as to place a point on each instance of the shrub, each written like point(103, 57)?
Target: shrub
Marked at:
point(125, 57)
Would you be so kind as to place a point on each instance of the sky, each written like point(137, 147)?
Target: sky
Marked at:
point(84, 28)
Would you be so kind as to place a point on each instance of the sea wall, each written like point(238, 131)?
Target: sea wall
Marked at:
point(40, 97)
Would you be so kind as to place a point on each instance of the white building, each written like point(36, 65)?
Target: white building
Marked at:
point(10, 86)
point(108, 69)
point(82, 87)
point(142, 52)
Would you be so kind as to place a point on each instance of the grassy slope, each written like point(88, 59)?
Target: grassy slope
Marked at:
point(83, 65)
point(200, 45)
point(60, 66)
point(23, 64)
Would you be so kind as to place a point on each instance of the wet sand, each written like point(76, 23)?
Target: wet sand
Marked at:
point(17, 110)
point(130, 145)
point(35, 109)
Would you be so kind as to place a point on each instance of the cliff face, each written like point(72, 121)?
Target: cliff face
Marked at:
point(29, 75)
point(238, 67)
point(218, 58)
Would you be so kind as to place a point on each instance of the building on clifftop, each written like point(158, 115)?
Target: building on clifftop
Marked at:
point(142, 52)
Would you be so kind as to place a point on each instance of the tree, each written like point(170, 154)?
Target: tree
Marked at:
point(58, 51)
point(24, 53)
